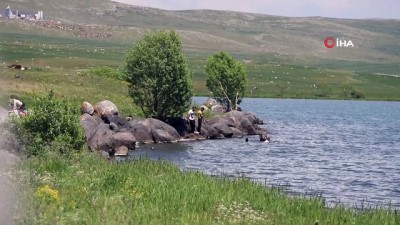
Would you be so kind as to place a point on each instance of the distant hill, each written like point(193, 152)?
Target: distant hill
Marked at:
point(294, 39)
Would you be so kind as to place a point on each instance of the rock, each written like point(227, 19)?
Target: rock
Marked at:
point(125, 139)
point(161, 132)
point(111, 118)
point(223, 129)
point(192, 137)
point(121, 151)
point(253, 118)
point(113, 127)
point(89, 124)
point(105, 107)
point(102, 139)
point(214, 133)
point(219, 120)
point(218, 109)
point(180, 125)
point(243, 121)
point(246, 126)
point(139, 131)
point(86, 107)
point(237, 133)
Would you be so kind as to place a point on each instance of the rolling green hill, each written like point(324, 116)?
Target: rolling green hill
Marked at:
point(376, 41)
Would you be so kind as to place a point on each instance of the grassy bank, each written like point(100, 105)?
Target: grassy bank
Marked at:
point(85, 189)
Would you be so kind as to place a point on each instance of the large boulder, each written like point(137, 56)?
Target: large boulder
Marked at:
point(151, 130)
point(221, 120)
point(223, 129)
point(253, 118)
point(237, 133)
point(102, 139)
point(113, 119)
point(212, 133)
point(218, 109)
point(89, 124)
point(245, 122)
point(180, 125)
point(87, 108)
point(160, 131)
point(121, 151)
point(124, 139)
point(139, 131)
point(105, 107)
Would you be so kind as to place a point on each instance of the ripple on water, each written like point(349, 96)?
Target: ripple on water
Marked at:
point(348, 150)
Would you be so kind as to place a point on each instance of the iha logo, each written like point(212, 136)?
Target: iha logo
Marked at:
point(331, 42)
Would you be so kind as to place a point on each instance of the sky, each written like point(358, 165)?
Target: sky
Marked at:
point(355, 9)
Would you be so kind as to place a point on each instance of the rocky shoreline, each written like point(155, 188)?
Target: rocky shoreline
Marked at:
point(106, 131)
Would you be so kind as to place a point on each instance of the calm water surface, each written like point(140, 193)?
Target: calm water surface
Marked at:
point(348, 150)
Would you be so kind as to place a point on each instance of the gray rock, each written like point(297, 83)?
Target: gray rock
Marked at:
point(237, 133)
point(218, 109)
point(161, 132)
point(86, 107)
point(113, 126)
point(125, 139)
point(223, 129)
point(89, 124)
point(102, 139)
point(141, 132)
point(105, 107)
point(121, 151)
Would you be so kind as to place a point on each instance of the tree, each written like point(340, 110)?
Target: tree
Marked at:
point(226, 79)
point(159, 79)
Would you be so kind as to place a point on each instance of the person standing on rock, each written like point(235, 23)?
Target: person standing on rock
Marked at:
point(191, 119)
point(200, 118)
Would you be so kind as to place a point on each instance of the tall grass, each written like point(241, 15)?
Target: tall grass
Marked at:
point(85, 189)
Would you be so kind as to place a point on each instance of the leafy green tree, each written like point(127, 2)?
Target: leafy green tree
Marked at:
point(226, 79)
point(159, 79)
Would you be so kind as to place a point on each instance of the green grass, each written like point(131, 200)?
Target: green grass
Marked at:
point(86, 189)
point(59, 61)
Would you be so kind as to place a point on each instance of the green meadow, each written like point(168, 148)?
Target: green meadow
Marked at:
point(63, 63)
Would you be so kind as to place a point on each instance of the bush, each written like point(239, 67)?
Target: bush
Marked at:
point(351, 92)
point(158, 76)
point(51, 124)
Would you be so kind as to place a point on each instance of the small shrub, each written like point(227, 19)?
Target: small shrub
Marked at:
point(51, 124)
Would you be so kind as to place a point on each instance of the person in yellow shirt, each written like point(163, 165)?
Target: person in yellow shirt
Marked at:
point(200, 118)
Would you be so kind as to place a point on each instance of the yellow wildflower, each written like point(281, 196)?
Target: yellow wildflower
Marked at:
point(45, 192)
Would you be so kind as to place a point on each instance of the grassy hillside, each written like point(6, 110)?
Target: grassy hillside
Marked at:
point(285, 57)
point(376, 41)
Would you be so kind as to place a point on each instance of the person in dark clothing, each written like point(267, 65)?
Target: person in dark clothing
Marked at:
point(200, 118)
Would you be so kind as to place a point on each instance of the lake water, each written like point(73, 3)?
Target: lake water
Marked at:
point(348, 150)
